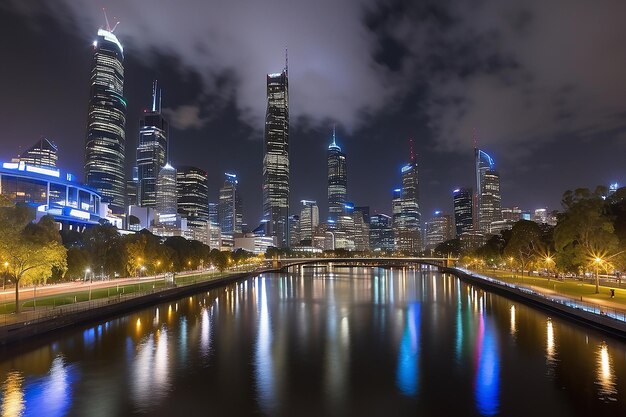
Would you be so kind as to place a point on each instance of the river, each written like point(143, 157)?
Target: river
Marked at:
point(324, 341)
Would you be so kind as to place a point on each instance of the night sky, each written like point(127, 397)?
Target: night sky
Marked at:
point(540, 84)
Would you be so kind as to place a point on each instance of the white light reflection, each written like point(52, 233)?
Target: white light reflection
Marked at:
point(264, 362)
point(551, 356)
point(513, 324)
point(605, 375)
point(150, 371)
point(205, 333)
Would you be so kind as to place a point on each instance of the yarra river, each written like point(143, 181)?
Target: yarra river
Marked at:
point(323, 342)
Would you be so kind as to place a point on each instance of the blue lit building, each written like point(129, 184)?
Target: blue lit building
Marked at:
point(337, 180)
point(463, 208)
point(48, 191)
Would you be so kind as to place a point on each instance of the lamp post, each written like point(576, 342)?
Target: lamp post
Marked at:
point(597, 262)
point(86, 272)
point(548, 260)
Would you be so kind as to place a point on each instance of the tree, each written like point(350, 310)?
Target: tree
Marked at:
point(32, 250)
point(450, 247)
point(524, 243)
point(585, 231)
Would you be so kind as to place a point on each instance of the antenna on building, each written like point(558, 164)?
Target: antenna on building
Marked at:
point(411, 152)
point(154, 94)
point(160, 98)
point(334, 138)
point(286, 61)
point(106, 19)
point(475, 138)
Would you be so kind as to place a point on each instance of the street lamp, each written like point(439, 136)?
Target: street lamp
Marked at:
point(86, 272)
point(597, 262)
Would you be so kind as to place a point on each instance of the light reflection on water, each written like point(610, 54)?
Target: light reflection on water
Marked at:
point(325, 336)
point(606, 379)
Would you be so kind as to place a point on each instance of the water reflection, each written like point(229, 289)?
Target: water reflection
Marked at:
point(605, 379)
point(487, 385)
point(264, 364)
point(13, 395)
point(513, 326)
point(150, 370)
point(408, 356)
point(551, 355)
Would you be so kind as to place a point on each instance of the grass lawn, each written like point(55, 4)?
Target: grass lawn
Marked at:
point(99, 293)
point(568, 287)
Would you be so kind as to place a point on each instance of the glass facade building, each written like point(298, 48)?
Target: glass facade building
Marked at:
point(44, 153)
point(193, 200)
point(106, 119)
point(408, 225)
point(337, 180)
point(309, 220)
point(463, 210)
point(167, 195)
point(490, 201)
point(381, 233)
point(276, 159)
point(229, 211)
point(151, 150)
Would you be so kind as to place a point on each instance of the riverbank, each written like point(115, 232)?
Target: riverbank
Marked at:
point(87, 312)
point(606, 319)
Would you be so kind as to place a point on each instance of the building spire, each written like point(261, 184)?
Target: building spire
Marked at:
point(411, 152)
point(286, 61)
point(334, 136)
point(154, 94)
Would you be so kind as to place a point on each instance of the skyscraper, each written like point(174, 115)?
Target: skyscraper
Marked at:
point(463, 205)
point(166, 195)
point(487, 203)
point(409, 229)
point(215, 233)
point(276, 159)
point(309, 220)
point(151, 150)
point(229, 209)
point(337, 180)
point(44, 153)
point(381, 233)
point(490, 201)
point(438, 229)
point(105, 139)
point(193, 200)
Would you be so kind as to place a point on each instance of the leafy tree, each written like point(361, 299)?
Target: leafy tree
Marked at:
point(77, 262)
point(525, 242)
point(450, 247)
point(32, 250)
point(585, 230)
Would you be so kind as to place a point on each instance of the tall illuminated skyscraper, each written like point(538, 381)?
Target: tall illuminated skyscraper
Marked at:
point(463, 219)
point(105, 139)
point(409, 230)
point(337, 180)
point(487, 200)
point(229, 209)
point(44, 153)
point(167, 195)
point(193, 200)
point(309, 220)
point(276, 159)
point(151, 150)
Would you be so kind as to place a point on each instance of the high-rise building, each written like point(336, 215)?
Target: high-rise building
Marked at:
point(396, 207)
point(151, 150)
point(215, 233)
point(309, 220)
point(463, 219)
point(229, 212)
point(511, 214)
point(193, 200)
point(408, 228)
point(438, 229)
point(276, 159)
point(106, 119)
point(44, 153)
point(166, 195)
point(381, 233)
point(487, 201)
point(294, 230)
point(361, 230)
point(337, 180)
point(131, 188)
point(490, 201)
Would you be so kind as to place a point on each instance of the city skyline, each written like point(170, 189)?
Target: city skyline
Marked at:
point(307, 143)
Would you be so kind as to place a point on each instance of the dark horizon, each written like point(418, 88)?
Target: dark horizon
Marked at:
point(216, 114)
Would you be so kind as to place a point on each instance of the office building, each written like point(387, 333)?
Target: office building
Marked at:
point(463, 213)
point(193, 201)
point(490, 201)
point(230, 207)
point(337, 180)
point(151, 150)
point(276, 159)
point(43, 153)
point(106, 119)
point(438, 229)
point(166, 196)
point(381, 233)
point(309, 220)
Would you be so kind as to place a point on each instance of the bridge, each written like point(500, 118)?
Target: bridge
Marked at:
point(286, 263)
